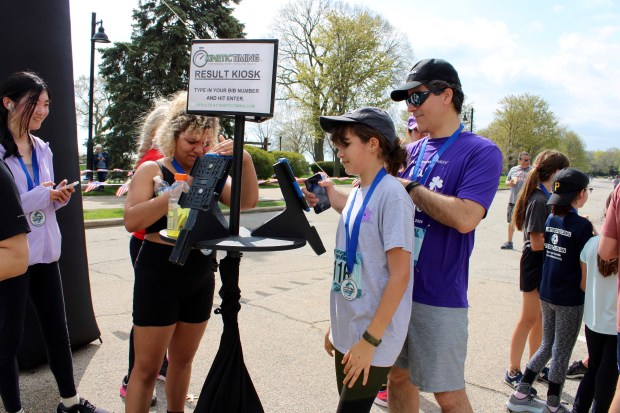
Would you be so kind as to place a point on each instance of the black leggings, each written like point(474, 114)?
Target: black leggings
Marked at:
point(359, 399)
point(599, 382)
point(43, 285)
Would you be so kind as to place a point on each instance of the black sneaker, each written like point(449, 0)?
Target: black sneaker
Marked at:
point(576, 370)
point(163, 370)
point(84, 406)
point(507, 245)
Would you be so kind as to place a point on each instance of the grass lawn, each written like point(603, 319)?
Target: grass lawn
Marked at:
point(109, 213)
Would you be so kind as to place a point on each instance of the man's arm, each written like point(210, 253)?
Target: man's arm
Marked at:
point(607, 248)
point(13, 256)
point(463, 215)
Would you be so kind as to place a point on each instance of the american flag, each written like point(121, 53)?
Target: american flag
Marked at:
point(122, 190)
point(92, 185)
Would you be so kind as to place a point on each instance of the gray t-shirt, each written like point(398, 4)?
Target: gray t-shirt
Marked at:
point(536, 213)
point(520, 174)
point(387, 223)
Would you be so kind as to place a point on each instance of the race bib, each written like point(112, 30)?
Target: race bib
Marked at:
point(349, 285)
point(419, 239)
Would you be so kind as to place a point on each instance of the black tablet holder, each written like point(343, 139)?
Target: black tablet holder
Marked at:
point(205, 218)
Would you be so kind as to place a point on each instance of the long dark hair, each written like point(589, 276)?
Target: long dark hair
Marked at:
point(545, 165)
point(607, 267)
point(394, 155)
point(16, 87)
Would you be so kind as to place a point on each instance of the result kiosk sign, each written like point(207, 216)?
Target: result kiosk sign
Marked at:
point(233, 77)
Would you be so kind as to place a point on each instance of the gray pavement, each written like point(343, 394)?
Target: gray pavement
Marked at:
point(284, 315)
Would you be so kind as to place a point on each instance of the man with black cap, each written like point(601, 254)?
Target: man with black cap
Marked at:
point(452, 178)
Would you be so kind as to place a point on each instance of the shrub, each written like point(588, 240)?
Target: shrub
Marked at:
point(263, 161)
point(328, 167)
point(297, 161)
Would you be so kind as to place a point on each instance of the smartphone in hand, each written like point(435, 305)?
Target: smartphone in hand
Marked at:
point(312, 185)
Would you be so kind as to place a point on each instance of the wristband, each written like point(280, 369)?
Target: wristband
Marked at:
point(370, 339)
point(411, 185)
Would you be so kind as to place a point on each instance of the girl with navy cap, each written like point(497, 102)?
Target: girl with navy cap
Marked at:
point(370, 299)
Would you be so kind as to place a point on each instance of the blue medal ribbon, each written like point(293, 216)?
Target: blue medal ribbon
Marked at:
point(35, 170)
point(177, 166)
point(353, 239)
point(441, 151)
point(542, 188)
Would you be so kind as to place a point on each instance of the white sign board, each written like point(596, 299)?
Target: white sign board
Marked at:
point(233, 77)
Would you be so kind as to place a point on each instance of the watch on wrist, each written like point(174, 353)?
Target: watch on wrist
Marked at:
point(411, 185)
point(370, 339)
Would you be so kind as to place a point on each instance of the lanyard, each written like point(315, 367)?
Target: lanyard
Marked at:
point(429, 168)
point(35, 170)
point(353, 239)
point(177, 166)
point(542, 188)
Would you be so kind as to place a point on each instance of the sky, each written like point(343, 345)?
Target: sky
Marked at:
point(567, 52)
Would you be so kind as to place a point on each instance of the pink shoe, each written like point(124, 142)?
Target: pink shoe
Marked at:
point(382, 397)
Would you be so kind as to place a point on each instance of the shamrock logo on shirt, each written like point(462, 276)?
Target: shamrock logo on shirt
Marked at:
point(437, 182)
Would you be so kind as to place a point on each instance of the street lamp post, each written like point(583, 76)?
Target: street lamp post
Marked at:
point(99, 37)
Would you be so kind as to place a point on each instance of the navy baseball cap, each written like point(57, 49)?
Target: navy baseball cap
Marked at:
point(424, 71)
point(567, 183)
point(374, 118)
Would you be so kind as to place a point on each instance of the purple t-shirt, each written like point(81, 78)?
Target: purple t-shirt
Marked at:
point(469, 169)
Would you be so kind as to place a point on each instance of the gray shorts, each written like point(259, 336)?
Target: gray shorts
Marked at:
point(511, 208)
point(436, 348)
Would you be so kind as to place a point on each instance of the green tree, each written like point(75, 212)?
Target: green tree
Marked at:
point(606, 163)
point(523, 123)
point(572, 146)
point(335, 58)
point(156, 61)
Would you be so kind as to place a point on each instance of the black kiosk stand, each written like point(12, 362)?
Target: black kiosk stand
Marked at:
point(228, 387)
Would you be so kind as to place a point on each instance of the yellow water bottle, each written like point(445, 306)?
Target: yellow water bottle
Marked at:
point(177, 216)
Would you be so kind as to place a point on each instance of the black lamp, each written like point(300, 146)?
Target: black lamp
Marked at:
point(99, 37)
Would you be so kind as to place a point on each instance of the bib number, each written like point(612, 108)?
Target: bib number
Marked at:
point(349, 285)
point(419, 239)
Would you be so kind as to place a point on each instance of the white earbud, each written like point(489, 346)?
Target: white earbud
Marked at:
point(11, 107)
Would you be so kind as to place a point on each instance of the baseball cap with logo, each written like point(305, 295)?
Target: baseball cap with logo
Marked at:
point(424, 71)
point(374, 118)
point(567, 184)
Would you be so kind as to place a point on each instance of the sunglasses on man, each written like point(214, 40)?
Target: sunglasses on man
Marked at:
point(418, 98)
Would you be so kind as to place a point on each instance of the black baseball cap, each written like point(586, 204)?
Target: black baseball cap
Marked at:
point(374, 118)
point(424, 71)
point(567, 183)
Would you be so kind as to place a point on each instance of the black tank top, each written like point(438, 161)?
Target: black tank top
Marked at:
point(162, 222)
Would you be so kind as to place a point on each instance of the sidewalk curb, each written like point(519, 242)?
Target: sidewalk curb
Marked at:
point(116, 222)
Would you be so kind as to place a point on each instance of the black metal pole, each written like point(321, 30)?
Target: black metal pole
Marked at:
point(89, 143)
point(471, 120)
point(235, 198)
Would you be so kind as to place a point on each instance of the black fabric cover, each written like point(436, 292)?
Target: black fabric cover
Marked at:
point(228, 387)
point(36, 35)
